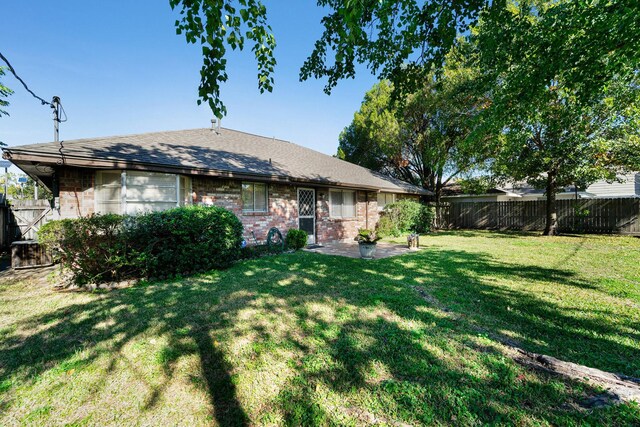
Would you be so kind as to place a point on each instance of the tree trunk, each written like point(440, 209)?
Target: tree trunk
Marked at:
point(551, 227)
point(438, 196)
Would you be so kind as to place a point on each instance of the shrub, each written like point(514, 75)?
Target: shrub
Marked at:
point(425, 219)
point(366, 236)
point(405, 216)
point(296, 239)
point(111, 247)
point(184, 240)
point(92, 247)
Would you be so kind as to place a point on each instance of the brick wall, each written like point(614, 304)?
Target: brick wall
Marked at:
point(77, 199)
point(282, 205)
point(333, 229)
point(76, 192)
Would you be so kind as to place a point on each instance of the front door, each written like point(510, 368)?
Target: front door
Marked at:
point(307, 212)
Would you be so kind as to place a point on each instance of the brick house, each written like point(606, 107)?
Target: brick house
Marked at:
point(266, 182)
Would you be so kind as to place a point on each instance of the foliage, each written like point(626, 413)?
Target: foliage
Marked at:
point(111, 247)
point(583, 44)
point(296, 239)
point(427, 138)
point(551, 132)
point(257, 251)
point(405, 216)
point(476, 184)
point(184, 240)
point(4, 93)
point(24, 191)
point(365, 236)
point(221, 24)
point(92, 248)
point(398, 40)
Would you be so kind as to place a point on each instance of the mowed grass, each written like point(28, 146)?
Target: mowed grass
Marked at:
point(309, 339)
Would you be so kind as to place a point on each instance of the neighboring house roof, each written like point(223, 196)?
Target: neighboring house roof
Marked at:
point(226, 152)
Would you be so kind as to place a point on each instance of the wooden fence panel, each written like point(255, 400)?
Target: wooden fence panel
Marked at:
point(26, 217)
point(619, 215)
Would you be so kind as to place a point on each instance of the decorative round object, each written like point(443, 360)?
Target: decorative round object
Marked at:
point(275, 241)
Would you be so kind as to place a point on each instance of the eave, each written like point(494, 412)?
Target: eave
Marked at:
point(19, 157)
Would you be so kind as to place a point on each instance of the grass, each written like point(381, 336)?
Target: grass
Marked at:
point(312, 339)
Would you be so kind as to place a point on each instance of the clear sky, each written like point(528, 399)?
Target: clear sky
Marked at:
point(119, 68)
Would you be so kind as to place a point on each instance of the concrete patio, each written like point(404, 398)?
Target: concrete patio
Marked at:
point(351, 250)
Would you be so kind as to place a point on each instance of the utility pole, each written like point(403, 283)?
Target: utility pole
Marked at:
point(55, 104)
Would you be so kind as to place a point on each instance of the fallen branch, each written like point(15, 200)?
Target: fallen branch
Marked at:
point(619, 388)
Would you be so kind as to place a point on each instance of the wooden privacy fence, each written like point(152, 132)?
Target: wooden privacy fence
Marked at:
point(620, 215)
point(26, 217)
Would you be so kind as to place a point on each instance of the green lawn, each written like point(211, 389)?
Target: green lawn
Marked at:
point(312, 339)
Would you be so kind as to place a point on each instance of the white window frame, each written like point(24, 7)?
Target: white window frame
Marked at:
point(386, 193)
point(355, 204)
point(266, 197)
point(123, 190)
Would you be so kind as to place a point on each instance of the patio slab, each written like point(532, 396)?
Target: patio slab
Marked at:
point(351, 250)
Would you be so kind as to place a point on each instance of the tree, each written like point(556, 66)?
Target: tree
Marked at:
point(563, 143)
point(553, 133)
point(401, 41)
point(4, 93)
point(220, 24)
point(24, 190)
point(425, 140)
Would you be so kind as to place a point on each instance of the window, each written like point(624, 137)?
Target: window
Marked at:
point(108, 192)
point(131, 192)
point(385, 198)
point(254, 197)
point(342, 204)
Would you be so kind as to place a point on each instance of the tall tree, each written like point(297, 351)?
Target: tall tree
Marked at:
point(556, 127)
point(402, 40)
point(426, 139)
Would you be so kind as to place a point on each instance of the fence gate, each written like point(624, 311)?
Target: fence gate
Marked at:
point(26, 217)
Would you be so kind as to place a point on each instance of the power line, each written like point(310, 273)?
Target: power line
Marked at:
point(6, 61)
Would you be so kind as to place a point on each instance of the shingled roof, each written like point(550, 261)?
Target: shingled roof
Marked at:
point(224, 152)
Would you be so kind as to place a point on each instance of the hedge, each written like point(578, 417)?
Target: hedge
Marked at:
point(405, 216)
point(102, 248)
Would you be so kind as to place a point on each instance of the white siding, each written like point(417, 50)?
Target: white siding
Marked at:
point(629, 187)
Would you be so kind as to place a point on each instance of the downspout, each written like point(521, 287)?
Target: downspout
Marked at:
point(366, 210)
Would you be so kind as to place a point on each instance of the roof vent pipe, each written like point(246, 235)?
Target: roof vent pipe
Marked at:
point(215, 125)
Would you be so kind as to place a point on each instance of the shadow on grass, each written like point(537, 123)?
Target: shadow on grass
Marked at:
point(432, 373)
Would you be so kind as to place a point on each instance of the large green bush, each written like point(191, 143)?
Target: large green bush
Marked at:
point(184, 240)
point(92, 247)
point(405, 216)
point(112, 247)
point(296, 239)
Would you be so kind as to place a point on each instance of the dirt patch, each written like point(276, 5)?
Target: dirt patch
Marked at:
point(36, 274)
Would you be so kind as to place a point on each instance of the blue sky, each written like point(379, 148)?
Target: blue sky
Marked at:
point(119, 68)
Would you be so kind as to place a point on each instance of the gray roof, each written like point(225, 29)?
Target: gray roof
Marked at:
point(228, 151)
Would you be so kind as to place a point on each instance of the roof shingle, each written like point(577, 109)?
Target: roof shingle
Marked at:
point(228, 151)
